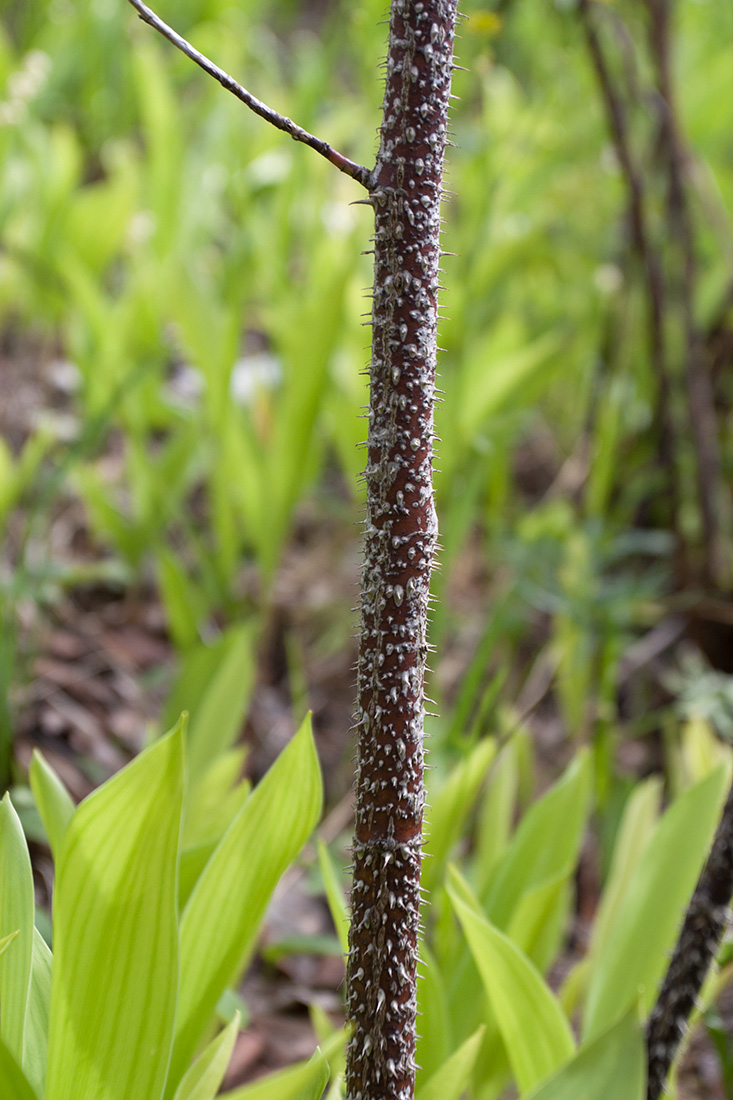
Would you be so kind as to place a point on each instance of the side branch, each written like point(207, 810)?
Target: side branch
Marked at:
point(357, 172)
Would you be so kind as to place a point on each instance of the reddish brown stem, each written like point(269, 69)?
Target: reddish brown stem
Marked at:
point(401, 531)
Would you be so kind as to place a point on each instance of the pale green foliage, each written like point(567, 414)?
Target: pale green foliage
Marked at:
point(534, 1029)
point(127, 998)
point(53, 801)
point(487, 1015)
point(203, 1079)
point(609, 1067)
point(16, 917)
point(514, 928)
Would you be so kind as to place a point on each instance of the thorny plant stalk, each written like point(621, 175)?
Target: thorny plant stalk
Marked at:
point(405, 189)
point(401, 531)
point(702, 930)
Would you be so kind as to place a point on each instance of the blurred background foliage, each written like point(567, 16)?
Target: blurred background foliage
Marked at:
point(194, 286)
point(183, 293)
point(197, 283)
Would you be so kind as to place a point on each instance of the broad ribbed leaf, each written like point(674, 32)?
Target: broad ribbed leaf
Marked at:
point(13, 1085)
point(204, 1077)
point(215, 799)
point(35, 1038)
point(222, 917)
point(434, 1042)
point(450, 807)
point(334, 896)
point(448, 1082)
point(53, 801)
point(546, 844)
point(6, 941)
point(647, 917)
point(539, 921)
point(217, 719)
point(533, 1026)
point(305, 1081)
point(496, 815)
point(611, 1067)
point(17, 907)
point(637, 825)
point(115, 966)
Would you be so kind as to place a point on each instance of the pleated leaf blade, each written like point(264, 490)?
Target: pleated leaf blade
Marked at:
point(17, 908)
point(610, 1067)
point(535, 1030)
point(222, 917)
point(115, 969)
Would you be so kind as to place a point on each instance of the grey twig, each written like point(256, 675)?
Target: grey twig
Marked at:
point(356, 171)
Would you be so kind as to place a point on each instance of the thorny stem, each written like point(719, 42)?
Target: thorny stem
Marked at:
point(702, 930)
point(281, 122)
point(405, 189)
point(401, 531)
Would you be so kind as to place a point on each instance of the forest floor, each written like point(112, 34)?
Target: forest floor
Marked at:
point(95, 662)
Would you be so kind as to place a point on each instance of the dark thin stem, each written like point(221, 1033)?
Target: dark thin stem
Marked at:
point(641, 240)
point(700, 404)
point(702, 930)
point(356, 171)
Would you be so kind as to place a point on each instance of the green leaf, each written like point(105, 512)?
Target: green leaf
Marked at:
point(204, 1077)
point(546, 844)
point(35, 1039)
point(334, 895)
point(213, 684)
point(609, 1067)
point(13, 1084)
point(17, 906)
point(434, 1042)
point(184, 607)
point(496, 815)
point(53, 801)
point(222, 917)
point(6, 941)
point(450, 808)
point(115, 967)
point(305, 1081)
point(538, 923)
point(637, 825)
point(448, 1082)
point(534, 1028)
point(216, 798)
point(646, 919)
point(508, 381)
point(217, 719)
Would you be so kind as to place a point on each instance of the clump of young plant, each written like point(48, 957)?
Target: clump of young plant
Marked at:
point(129, 996)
